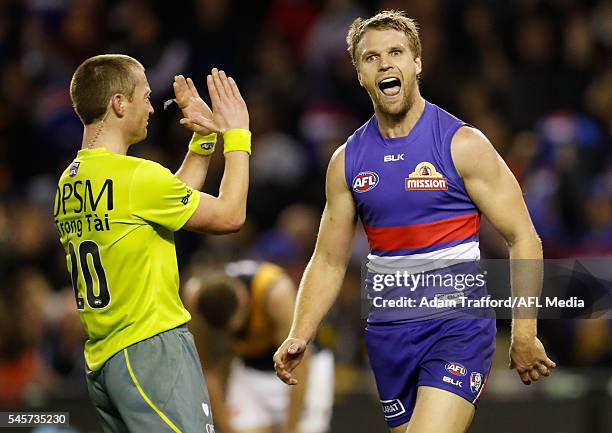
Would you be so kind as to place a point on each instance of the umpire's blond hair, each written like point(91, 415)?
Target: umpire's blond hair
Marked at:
point(97, 79)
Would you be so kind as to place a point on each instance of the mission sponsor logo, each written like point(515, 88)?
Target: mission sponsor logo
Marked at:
point(456, 369)
point(365, 181)
point(425, 177)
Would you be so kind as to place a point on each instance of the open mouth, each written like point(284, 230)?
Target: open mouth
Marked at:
point(390, 86)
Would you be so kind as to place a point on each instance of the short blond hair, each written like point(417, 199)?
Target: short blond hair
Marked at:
point(384, 20)
point(97, 79)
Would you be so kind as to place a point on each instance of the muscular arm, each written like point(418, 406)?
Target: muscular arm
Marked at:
point(323, 276)
point(493, 188)
point(280, 305)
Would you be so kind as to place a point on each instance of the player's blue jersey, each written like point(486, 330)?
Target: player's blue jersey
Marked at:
point(413, 204)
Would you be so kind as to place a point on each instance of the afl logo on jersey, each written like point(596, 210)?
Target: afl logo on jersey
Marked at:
point(426, 177)
point(365, 181)
point(456, 369)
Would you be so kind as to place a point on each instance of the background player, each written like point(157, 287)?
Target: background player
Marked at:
point(403, 222)
point(116, 215)
point(252, 303)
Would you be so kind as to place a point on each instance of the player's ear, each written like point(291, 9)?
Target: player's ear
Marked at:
point(118, 102)
point(419, 66)
point(359, 78)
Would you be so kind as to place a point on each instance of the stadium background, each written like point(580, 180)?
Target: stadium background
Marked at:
point(535, 76)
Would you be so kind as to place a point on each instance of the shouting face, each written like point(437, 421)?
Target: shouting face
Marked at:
point(388, 70)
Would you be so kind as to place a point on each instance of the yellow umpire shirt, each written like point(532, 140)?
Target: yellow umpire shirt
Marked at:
point(116, 216)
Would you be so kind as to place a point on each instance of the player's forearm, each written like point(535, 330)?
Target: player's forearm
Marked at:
point(193, 170)
point(526, 269)
point(297, 395)
point(318, 291)
point(235, 186)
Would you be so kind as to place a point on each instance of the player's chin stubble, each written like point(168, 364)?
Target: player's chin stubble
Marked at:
point(389, 110)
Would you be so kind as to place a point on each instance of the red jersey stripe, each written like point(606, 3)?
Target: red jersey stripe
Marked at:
point(423, 235)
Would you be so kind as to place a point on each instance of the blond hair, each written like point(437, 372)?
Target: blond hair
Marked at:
point(384, 20)
point(97, 79)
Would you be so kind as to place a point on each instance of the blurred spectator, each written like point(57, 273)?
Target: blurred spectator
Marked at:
point(24, 377)
point(291, 242)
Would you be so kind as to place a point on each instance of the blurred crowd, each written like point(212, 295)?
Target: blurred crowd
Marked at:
point(535, 76)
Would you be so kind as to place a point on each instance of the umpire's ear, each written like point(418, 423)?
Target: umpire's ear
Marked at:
point(118, 102)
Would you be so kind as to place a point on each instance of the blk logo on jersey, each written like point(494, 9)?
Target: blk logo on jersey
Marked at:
point(365, 181)
point(394, 158)
point(475, 381)
point(185, 199)
point(74, 169)
point(456, 369)
point(452, 381)
point(425, 177)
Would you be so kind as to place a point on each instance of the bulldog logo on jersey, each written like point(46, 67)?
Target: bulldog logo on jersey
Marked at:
point(365, 181)
point(475, 381)
point(425, 177)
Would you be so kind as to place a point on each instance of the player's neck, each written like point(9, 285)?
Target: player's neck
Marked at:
point(99, 134)
point(399, 126)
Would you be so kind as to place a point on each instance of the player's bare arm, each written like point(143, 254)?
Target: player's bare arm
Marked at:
point(194, 168)
point(323, 276)
point(227, 212)
point(280, 304)
point(492, 186)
